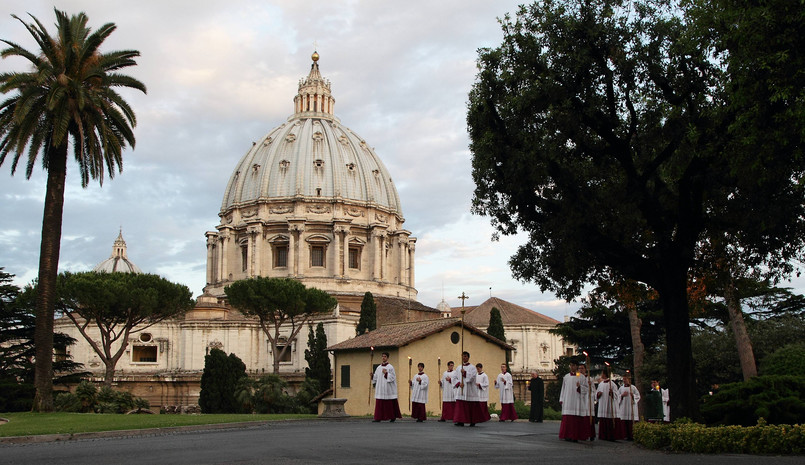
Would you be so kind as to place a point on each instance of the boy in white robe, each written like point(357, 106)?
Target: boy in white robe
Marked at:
point(384, 380)
point(482, 380)
point(505, 384)
point(419, 394)
point(468, 405)
point(588, 401)
point(574, 425)
point(666, 406)
point(627, 407)
point(607, 395)
point(447, 381)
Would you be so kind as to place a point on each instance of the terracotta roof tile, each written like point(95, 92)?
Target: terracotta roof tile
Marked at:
point(510, 313)
point(401, 334)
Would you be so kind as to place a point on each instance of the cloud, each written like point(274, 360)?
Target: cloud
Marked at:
point(223, 74)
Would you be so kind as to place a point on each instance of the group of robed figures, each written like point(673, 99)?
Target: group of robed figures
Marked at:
point(465, 393)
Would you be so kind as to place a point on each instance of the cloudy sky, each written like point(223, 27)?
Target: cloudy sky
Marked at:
point(223, 74)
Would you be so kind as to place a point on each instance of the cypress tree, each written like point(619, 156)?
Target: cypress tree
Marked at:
point(219, 381)
point(318, 360)
point(495, 328)
point(368, 320)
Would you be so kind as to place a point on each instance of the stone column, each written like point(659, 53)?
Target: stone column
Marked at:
point(212, 238)
point(225, 236)
point(411, 250)
point(254, 251)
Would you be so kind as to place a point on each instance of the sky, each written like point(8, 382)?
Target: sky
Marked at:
point(223, 74)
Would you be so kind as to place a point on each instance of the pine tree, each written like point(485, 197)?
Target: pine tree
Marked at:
point(368, 321)
point(318, 360)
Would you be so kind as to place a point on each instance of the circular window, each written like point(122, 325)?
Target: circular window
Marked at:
point(455, 338)
point(145, 337)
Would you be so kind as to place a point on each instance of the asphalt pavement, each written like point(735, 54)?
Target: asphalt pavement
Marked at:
point(348, 441)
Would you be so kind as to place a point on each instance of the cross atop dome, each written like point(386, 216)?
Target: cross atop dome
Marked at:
point(314, 97)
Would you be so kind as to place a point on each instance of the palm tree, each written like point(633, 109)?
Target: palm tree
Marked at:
point(66, 98)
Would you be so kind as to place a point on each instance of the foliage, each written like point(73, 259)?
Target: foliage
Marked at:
point(15, 397)
point(67, 97)
point(277, 302)
point(270, 396)
point(88, 399)
point(118, 305)
point(219, 382)
point(775, 398)
point(618, 135)
point(601, 328)
point(495, 328)
point(789, 359)
point(699, 439)
point(318, 360)
point(368, 319)
point(17, 326)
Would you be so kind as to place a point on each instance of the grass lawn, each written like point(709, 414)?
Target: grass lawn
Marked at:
point(31, 424)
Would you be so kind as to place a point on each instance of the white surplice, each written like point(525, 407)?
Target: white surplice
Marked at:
point(607, 394)
point(573, 390)
point(470, 391)
point(448, 381)
point(419, 388)
point(627, 405)
point(482, 383)
point(505, 383)
point(385, 382)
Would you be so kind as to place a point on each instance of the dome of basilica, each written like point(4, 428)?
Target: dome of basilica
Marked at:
point(312, 155)
point(311, 200)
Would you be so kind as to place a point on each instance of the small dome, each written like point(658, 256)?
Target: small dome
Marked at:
point(119, 260)
point(444, 307)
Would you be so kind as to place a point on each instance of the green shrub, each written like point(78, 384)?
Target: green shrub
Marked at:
point(16, 397)
point(700, 439)
point(784, 361)
point(777, 399)
point(87, 399)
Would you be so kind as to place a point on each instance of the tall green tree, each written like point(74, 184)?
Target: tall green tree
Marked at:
point(368, 319)
point(17, 348)
point(278, 303)
point(117, 305)
point(495, 328)
point(220, 381)
point(68, 97)
point(618, 135)
point(318, 360)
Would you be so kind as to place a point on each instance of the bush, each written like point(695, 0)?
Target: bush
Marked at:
point(777, 399)
point(784, 361)
point(700, 439)
point(16, 397)
point(87, 399)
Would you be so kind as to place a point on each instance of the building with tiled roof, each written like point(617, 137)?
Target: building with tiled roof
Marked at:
point(432, 342)
point(536, 348)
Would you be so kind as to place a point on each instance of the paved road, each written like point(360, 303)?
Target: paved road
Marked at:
point(354, 441)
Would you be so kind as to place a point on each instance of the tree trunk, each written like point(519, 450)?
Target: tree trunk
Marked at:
point(110, 373)
point(638, 349)
point(742, 341)
point(48, 272)
point(681, 376)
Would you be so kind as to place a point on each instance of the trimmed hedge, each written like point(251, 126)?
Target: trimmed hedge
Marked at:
point(700, 439)
point(775, 398)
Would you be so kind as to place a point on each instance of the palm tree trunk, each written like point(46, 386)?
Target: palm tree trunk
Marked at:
point(48, 271)
point(742, 341)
